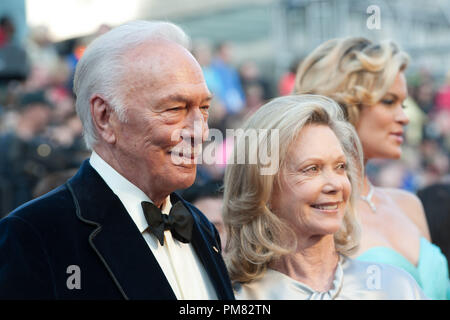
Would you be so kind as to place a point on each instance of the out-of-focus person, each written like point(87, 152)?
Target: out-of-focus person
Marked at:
point(40, 47)
point(230, 88)
point(208, 198)
point(24, 152)
point(251, 76)
point(367, 79)
point(436, 202)
point(7, 30)
point(442, 98)
point(287, 80)
point(14, 62)
point(290, 232)
point(202, 51)
point(52, 181)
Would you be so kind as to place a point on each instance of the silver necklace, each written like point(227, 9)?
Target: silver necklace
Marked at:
point(368, 198)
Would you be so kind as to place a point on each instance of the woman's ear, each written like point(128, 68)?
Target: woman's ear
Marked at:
point(102, 117)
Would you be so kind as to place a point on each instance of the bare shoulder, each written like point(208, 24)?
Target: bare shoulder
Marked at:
point(411, 206)
point(403, 197)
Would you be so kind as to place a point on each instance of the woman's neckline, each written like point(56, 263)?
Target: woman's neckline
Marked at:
point(332, 292)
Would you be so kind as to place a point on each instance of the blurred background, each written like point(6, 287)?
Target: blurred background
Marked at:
point(248, 49)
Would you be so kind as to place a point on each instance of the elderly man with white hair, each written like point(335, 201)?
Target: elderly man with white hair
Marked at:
point(117, 229)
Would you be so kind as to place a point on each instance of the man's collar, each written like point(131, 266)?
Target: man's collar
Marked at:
point(129, 194)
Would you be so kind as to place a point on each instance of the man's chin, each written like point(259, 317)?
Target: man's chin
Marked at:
point(185, 176)
point(186, 165)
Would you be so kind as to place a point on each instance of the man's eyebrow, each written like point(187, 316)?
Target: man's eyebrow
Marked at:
point(208, 98)
point(181, 98)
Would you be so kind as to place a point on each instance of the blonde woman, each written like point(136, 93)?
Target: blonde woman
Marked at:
point(368, 81)
point(290, 232)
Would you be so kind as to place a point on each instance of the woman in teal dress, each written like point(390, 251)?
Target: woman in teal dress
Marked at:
point(367, 80)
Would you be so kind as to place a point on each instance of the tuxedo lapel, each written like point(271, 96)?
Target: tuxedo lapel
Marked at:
point(207, 249)
point(206, 253)
point(116, 239)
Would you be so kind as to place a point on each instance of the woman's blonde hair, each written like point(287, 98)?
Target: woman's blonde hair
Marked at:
point(355, 72)
point(256, 236)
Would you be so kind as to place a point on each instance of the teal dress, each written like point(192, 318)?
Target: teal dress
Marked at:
point(431, 272)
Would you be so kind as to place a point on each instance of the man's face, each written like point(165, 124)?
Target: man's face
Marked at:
point(167, 103)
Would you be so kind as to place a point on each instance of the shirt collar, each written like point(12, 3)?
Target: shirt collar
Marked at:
point(130, 195)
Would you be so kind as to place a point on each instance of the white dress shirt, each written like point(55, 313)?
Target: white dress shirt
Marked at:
point(179, 262)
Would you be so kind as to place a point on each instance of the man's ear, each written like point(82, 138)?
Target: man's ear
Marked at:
point(102, 117)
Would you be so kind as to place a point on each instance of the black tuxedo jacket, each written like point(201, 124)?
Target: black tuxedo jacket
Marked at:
point(79, 242)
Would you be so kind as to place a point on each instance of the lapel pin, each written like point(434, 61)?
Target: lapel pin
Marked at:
point(215, 249)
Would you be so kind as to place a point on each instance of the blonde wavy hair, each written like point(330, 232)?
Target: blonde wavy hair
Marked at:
point(256, 236)
point(355, 72)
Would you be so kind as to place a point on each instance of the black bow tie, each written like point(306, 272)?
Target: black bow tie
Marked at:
point(179, 221)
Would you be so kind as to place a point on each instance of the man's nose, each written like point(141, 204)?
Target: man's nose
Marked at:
point(195, 127)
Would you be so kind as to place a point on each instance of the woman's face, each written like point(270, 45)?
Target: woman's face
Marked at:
point(314, 188)
point(380, 126)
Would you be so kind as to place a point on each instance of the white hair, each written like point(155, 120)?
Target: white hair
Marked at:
point(256, 235)
point(101, 67)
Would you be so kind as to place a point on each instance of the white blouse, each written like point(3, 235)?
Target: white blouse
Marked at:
point(353, 280)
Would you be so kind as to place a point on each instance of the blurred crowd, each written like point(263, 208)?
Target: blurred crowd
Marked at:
point(41, 136)
point(426, 150)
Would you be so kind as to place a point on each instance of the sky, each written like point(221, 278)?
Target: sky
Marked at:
point(72, 18)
